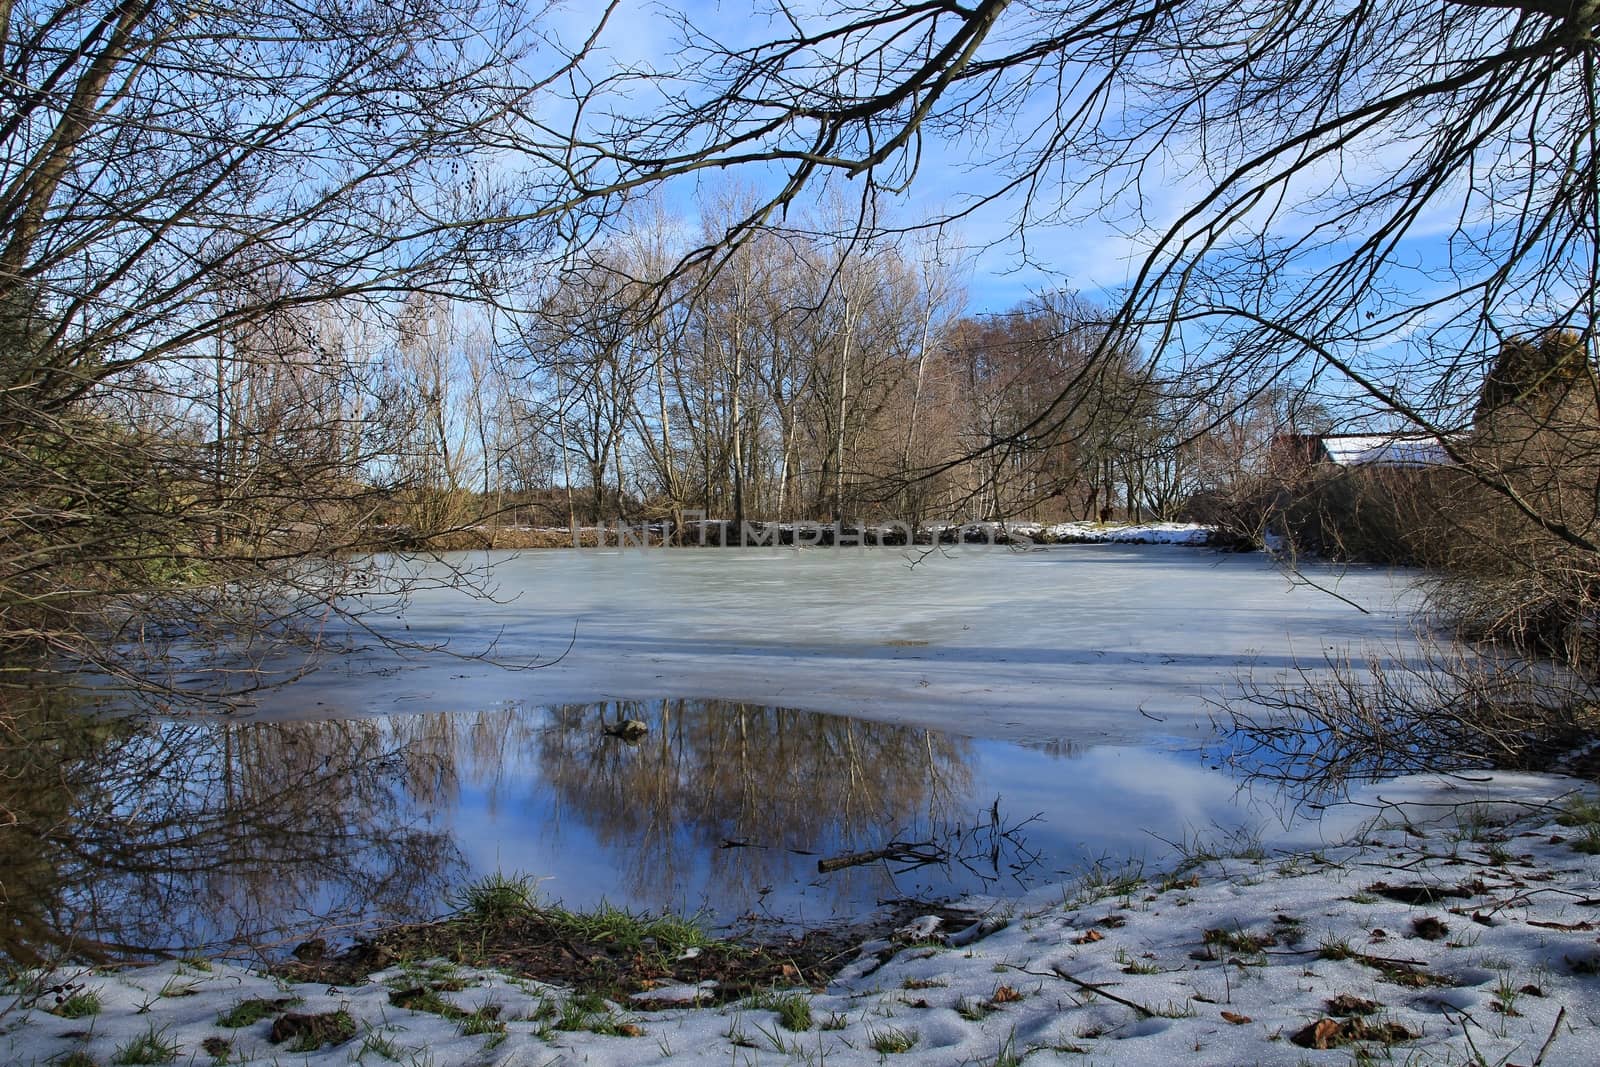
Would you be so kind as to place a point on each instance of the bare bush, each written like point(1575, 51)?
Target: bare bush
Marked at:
point(210, 219)
point(1515, 554)
point(1452, 707)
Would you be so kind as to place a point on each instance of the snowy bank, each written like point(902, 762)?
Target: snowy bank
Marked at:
point(1458, 925)
point(1142, 533)
point(714, 532)
point(1082, 532)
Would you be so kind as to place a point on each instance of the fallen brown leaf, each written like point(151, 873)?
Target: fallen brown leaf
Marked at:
point(1322, 1034)
point(1330, 1033)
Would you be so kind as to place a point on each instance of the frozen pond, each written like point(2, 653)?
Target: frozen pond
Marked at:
point(1066, 643)
point(1016, 717)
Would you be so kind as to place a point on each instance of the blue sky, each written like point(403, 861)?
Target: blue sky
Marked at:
point(641, 34)
point(1099, 251)
point(1094, 255)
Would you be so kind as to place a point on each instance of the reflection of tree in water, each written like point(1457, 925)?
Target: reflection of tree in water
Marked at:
point(1058, 748)
point(130, 837)
point(773, 779)
point(124, 837)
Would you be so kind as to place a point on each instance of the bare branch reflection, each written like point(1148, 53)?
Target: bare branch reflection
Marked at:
point(124, 837)
point(771, 786)
point(134, 838)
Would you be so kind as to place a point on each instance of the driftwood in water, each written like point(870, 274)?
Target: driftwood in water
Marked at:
point(855, 859)
point(991, 844)
point(918, 854)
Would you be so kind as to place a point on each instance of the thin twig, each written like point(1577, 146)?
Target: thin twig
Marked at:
point(1560, 1015)
point(1095, 989)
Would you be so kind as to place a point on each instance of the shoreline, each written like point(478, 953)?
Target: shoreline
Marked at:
point(1460, 922)
point(771, 535)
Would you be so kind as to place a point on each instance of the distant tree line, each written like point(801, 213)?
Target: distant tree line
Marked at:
point(807, 377)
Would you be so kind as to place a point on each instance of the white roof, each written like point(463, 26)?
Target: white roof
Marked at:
point(1389, 450)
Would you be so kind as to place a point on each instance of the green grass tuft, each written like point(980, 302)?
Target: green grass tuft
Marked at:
point(974, 1009)
point(484, 1019)
point(608, 924)
point(251, 1011)
point(150, 1047)
point(1335, 948)
point(891, 1040)
point(794, 1012)
point(1006, 1054)
point(497, 897)
point(1580, 811)
point(78, 1006)
point(379, 1045)
point(422, 998)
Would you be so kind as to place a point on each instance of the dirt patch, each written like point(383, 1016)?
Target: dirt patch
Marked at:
point(1429, 928)
point(1408, 973)
point(1238, 940)
point(1348, 1004)
point(1336, 1033)
point(307, 1033)
point(1427, 894)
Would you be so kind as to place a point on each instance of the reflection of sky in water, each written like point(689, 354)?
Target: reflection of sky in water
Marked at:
point(293, 825)
point(1097, 805)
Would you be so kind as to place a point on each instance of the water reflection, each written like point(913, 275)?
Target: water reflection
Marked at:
point(722, 798)
point(139, 837)
point(134, 838)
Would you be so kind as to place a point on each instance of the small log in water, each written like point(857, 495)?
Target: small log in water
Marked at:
point(918, 854)
point(855, 859)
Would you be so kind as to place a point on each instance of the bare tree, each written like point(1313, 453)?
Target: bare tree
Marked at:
point(939, 297)
point(1300, 155)
point(188, 200)
point(1358, 202)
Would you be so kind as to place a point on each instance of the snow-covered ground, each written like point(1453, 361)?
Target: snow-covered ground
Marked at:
point(1065, 642)
point(1139, 533)
point(1082, 532)
point(1122, 533)
point(1458, 925)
